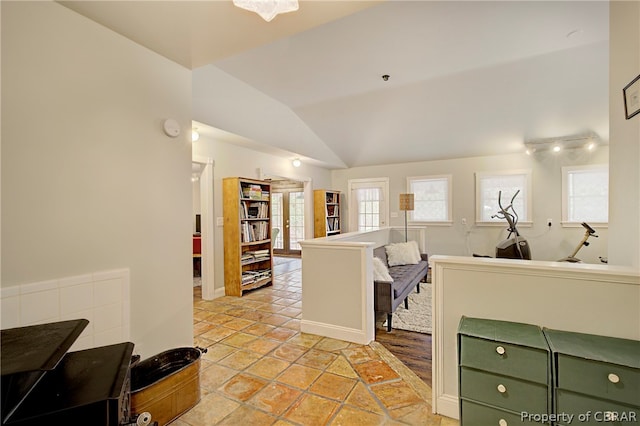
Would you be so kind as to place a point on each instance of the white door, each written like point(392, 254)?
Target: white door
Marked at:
point(368, 204)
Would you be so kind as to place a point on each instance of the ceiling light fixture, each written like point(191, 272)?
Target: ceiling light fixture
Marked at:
point(195, 135)
point(588, 140)
point(296, 162)
point(385, 77)
point(268, 9)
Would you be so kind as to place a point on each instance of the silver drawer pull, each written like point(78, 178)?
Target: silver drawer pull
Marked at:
point(502, 388)
point(502, 422)
point(613, 378)
point(500, 350)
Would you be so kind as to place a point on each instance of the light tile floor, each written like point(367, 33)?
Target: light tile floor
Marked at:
point(261, 370)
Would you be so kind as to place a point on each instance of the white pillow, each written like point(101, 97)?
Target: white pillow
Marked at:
point(380, 271)
point(403, 253)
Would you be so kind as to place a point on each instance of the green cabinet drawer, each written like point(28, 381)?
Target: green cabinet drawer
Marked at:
point(600, 379)
point(504, 392)
point(473, 414)
point(503, 358)
point(594, 411)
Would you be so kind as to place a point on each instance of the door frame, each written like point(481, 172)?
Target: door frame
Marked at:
point(353, 208)
point(206, 225)
point(285, 235)
point(308, 196)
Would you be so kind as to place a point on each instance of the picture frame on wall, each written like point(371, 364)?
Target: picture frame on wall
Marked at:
point(631, 94)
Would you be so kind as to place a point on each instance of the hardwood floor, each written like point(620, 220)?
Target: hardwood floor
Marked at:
point(413, 349)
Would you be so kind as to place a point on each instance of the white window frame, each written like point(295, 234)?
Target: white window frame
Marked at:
point(383, 184)
point(565, 194)
point(449, 197)
point(526, 192)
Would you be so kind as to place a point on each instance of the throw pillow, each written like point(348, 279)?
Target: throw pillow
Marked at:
point(380, 271)
point(403, 253)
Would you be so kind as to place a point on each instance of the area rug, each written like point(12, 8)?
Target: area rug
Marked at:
point(418, 316)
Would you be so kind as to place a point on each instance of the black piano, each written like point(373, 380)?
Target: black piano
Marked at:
point(43, 383)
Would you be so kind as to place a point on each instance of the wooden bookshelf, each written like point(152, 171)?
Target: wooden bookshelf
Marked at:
point(248, 255)
point(326, 213)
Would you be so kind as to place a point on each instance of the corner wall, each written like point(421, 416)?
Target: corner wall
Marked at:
point(89, 180)
point(624, 178)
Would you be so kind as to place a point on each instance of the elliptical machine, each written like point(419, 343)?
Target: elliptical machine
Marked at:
point(589, 232)
point(514, 246)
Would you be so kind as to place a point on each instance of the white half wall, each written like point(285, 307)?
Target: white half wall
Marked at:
point(594, 299)
point(89, 180)
point(338, 293)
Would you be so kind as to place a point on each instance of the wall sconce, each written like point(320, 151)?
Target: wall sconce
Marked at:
point(195, 135)
point(296, 162)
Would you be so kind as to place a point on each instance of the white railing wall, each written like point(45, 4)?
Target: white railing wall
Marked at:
point(584, 298)
point(337, 277)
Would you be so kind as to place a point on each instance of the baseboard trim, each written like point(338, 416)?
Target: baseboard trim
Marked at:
point(448, 405)
point(218, 292)
point(336, 332)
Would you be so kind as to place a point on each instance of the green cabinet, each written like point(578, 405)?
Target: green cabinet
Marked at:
point(504, 371)
point(513, 373)
point(596, 379)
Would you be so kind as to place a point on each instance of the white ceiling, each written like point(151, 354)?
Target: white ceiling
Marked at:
point(466, 78)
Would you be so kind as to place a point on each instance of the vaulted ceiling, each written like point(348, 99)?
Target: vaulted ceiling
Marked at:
point(466, 78)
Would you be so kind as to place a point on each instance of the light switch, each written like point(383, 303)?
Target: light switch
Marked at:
point(220, 221)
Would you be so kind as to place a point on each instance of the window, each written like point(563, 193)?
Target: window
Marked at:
point(368, 208)
point(432, 198)
point(585, 194)
point(489, 185)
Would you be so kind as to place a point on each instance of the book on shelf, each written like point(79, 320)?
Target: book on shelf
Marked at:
point(333, 224)
point(332, 197)
point(252, 191)
point(250, 277)
point(256, 210)
point(252, 256)
point(254, 231)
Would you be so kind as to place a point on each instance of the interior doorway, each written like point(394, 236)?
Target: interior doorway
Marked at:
point(288, 216)
point(202, 187)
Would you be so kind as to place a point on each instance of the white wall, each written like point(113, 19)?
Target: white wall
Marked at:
point(624, 178)
point(89, 180)
point(236, 161)
point(546, 244)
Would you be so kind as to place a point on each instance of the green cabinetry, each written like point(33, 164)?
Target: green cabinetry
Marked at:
point(513, 373)
point(596, 379)
point(504, 371)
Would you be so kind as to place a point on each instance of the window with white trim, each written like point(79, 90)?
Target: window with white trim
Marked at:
point(585, 194)
point(506, 183)
point(432, 198)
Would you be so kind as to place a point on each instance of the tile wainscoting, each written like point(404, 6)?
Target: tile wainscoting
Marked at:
point(100, 297)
